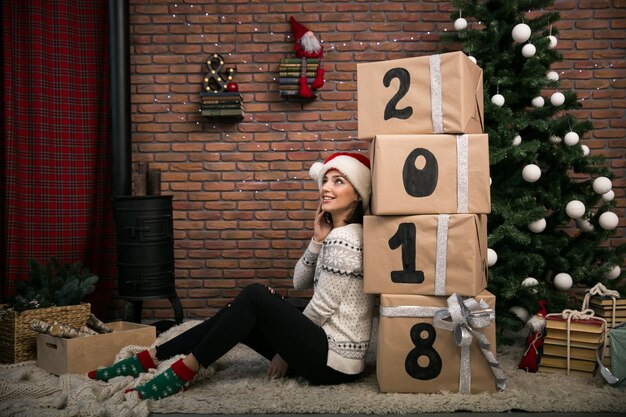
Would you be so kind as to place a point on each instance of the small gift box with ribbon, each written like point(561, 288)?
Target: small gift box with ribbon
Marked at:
point(429, 344)
point(425, 254)
point(426, 174)
point(429, 94)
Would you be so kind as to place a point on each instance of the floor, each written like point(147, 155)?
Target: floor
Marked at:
point(407, 415)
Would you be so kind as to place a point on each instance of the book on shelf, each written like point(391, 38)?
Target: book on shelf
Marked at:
point(561, 362)
point(575, 372)
point(222, 95)
point(299, 60)
point(292, 93)
point(217, 113)
point(293, 80)
point(213, 101)
point(221, 106)
point(298, 65)
point(296, 74)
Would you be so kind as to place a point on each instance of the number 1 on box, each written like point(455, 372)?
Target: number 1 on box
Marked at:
point(405, 237)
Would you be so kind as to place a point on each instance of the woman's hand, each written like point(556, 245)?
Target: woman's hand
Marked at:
point(278, 367)
point(321, 226)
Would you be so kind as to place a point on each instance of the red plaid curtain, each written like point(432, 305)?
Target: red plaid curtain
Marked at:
point(55, 165)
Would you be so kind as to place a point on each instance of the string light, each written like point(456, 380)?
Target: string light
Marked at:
point(329, 48)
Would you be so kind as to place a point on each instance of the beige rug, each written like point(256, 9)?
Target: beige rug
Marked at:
point(237, 385)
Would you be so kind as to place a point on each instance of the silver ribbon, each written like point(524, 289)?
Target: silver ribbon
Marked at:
point(465, 317)
point(425, 312)
point(442, 254)
point(462, 173)
point(435, 93)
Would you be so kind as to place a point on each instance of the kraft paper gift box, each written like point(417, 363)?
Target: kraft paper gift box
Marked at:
point(426, 174)
point(418, 338)
point(83, 354)
point(425, 254)
point(429, 94)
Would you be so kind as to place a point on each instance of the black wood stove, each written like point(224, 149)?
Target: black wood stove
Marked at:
point(145, 253)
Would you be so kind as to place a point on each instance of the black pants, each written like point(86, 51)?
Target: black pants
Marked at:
point(263, 320)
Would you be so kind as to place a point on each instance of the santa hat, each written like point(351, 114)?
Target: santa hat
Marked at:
point(354, 166)
point(538, 322)
point(297, 28)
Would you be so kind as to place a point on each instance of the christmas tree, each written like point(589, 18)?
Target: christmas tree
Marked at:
point(551, 199)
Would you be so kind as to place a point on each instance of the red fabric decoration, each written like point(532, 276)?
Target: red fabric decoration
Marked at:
point(534, 341)
point(299, 32)
point(55, 169)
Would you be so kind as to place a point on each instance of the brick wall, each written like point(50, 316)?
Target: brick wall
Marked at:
point(243, 202)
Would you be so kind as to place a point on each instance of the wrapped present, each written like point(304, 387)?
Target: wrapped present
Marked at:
point(425, 254)
point(575, 332)
point(429, 94)
point(605, 303)
point(427, 174)
point(430, 344)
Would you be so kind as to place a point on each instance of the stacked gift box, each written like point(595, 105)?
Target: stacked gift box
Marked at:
point(222, 105)
point(290, 72)
point(577, 338)
point(612, 310)
point(425, 242)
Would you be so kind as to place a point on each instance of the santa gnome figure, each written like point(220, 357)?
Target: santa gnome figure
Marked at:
point(307, 46)
point(534, 341)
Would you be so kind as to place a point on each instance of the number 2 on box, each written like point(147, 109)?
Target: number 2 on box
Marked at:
point(423, 347)
point(405, 237)
point(405, 81)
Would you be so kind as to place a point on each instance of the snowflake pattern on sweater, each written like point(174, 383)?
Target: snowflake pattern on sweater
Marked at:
point(335, 271)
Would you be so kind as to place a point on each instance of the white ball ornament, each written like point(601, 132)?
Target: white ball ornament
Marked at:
point(498, 100)
point(492, 257)
point(557, 98)
point(571, 138)
point(538, 102)
point(520, 312)
point(602, 185)
point(608, 220)
point(585, 149)
point(563, 281)
point(537, 226)
point(552, 41)
point(575, 209)
point(613, 273)
point(529, 50)
point(517, 140)
point(530, 282)
point(555, 139)
point(552, 76)
point(471, 58)
point(608, 196)
point(460, 24)
point(521, 33)
point(531, 173)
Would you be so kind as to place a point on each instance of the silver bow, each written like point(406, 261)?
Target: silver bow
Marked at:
point(466, 316)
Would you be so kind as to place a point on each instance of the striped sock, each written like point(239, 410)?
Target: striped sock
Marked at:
point(166, 383)
point(133, 366)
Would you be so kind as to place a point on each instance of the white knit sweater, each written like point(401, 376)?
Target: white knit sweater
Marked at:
point(339, 305)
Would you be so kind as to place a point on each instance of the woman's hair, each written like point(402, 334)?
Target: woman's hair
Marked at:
point(357, 214)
